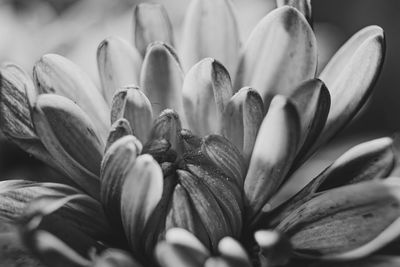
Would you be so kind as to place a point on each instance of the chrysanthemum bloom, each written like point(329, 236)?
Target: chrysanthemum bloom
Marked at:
point(191, 162)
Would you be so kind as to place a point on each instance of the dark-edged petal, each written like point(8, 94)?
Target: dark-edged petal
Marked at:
point(312, 100)
point(71, 138)
point(241, 120)
point(346, 223)
point(133, 105)
point(119, 129)
point(151, 24)
point(280, 53)
point(304, 6)
point(350, 76)
point(207, 89)
point(367, 161)
point(58, 75)
point(119, 65)
point(210, 30)
point(273, 153)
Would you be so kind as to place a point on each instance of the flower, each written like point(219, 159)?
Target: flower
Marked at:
point(205, 169)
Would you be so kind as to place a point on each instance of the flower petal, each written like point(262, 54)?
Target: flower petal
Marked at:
point(349, 222)
point(304, 6)
point(161, 78)
point(367, 161)
point(168, 126)
point(207, 207)
point(241, 120)
point(115, 258)
point(118, 159)
point(207, 89)
point(273, 153)
point(225, 156)
point(15, 113)
point(56, 74)
point(141, 192)
point(275, 248)
point(68, 134)
point(132, 104)
point(232, 252)
point(227, 194)
point(312, 101)
point(280, 53)
point(182, 214)
point(53, 252)
point(356, 65)
point(210, 30)
point(119, 64)
point(119, 129)
point(151, 24)
point(373, 261)
point(181, 249)
point(78, 220)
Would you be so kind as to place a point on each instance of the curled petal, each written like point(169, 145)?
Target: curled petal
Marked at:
point(210, 30)
point(207, 89)
point(346, 223)
point(141, 192)
point(119, 129)
point(57, 75)
point(151, 24)
point(132, 104)
point(280, 53)
point(71, 138)
point(168, 126)
point(161, 78)
point(119, 65)
point(274, 151)
point(356, 65)
point(241, 120)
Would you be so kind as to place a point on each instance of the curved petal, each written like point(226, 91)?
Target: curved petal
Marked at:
point(274, 151)
point(58, 75)
point(232, 252)
point(118, 159)
point(350, 76)
point(346, 223)
point(119, 64)
point(70, 137)
point(151, 24)
point(132, 104)
point(210, 30)
point(162, 78)
point(367, 161)
point(280, 53)
point(119, 129)
point(304, 6)
point(206, 89)
point(115, 258)
point(241, 120)
point(275, 248)
point(141, 192)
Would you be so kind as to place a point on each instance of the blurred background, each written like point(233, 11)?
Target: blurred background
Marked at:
point(74, 28)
